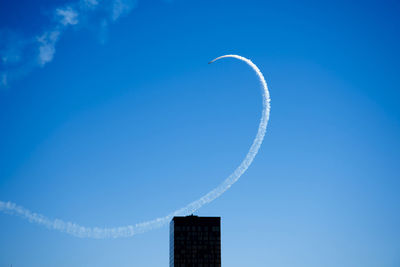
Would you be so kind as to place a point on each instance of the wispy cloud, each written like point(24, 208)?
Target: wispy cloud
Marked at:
point(4, 80)
point(68, 16)
point(11, 56)
point(47, 46)
point(19, 55)
point(90, 3)
point(122, 7)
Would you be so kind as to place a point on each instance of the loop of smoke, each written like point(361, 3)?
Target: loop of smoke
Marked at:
point(130, 230)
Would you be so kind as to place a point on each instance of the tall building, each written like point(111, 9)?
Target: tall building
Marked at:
point(195, 242)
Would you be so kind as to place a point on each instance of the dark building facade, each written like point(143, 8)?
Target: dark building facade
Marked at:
point(195, 242)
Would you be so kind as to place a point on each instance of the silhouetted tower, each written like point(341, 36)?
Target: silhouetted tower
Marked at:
point(195, 241)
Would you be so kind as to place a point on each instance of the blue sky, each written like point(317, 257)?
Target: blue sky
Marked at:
point(126, 121)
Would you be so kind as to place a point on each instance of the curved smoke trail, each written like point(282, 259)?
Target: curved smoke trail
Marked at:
point(130, 230)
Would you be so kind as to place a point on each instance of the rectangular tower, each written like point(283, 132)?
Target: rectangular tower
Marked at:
point(195, 241)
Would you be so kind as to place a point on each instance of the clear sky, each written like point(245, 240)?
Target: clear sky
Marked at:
point(114, 117)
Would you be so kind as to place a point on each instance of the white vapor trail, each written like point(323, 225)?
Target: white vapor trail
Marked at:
point(130, 230)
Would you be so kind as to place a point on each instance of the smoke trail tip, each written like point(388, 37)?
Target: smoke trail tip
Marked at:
point(212, 60)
